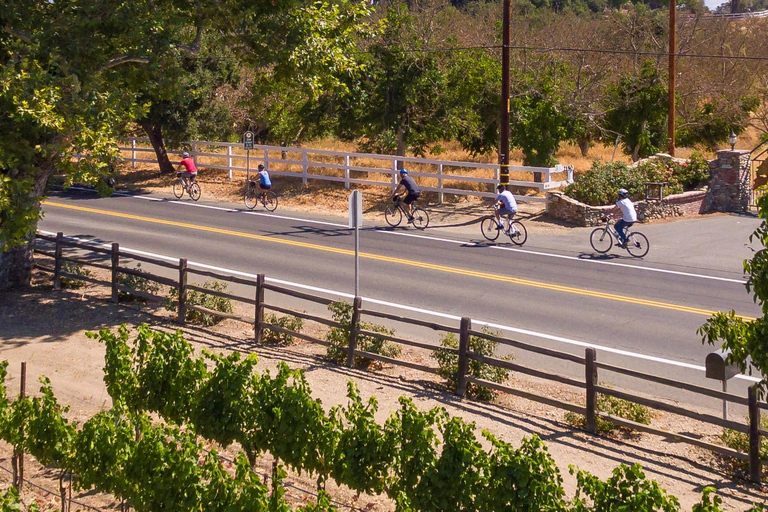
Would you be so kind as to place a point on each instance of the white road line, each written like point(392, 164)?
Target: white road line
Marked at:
point(394, 305)
point(447, 240)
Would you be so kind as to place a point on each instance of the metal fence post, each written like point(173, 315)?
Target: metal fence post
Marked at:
point(755, 465)
point(461, 372)
point(258, 329)
point(354, 327)
point(182, 314)
point(229, 161)
point(57, 261)
point(590, 369)
point(346, 171)
point(133, 153)
point(115, 264)
point(304, 166)
point(440, 183)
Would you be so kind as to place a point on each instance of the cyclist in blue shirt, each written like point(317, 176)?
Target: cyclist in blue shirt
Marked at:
point(408, 185)
point(264, 182)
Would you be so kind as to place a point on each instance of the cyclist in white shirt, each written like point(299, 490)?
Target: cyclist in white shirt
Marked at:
point(505, 205)
point(628, 215)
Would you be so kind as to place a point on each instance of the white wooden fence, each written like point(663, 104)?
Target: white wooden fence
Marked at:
point(441, 176)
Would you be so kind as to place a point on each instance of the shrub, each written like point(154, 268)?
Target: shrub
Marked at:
point(195, 298)
point(289, 322)
point(627, 489)
point(138, 283)
point(615, 407)
point(339, 337)
point(448, 363)
point(740, 441)
point(77, 269)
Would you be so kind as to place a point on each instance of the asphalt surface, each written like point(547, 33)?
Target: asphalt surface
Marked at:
point(555, 291)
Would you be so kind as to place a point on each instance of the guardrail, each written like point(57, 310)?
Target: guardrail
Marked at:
point(591, 386)
point(440, 176)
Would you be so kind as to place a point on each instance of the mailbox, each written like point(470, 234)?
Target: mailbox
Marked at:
point(716, 367)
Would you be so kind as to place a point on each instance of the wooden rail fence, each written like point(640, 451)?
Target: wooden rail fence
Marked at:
point(591, 385)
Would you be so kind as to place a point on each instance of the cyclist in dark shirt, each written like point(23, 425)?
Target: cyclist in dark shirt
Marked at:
point(412, 192)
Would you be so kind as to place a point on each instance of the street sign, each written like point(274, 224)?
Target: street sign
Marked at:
point(355, 209)
point(248, 140)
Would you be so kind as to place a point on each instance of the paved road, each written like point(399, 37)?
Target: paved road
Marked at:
point(553, 292)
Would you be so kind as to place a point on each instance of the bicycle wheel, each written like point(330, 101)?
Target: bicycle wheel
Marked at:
point(178, 188)
point(420, 218)
point(488, 227)
point(637, 244)
point(250, 198)
point(270, 201)
point(194, 191)
point(393, 215)
point(517, 233)
point(601, 240)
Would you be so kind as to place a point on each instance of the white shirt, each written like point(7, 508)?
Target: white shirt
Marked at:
point(508, 200)
point(628, 212)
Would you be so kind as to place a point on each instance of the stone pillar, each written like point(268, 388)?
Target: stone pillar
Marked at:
point(730, 186)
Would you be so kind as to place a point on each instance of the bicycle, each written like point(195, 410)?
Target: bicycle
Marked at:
point(394, 215)
point(180, 186)
point(253, 196)
point(601, 240)
point(515, 230)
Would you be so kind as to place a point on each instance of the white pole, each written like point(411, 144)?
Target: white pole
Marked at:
point(357, 259)
point(229, 160)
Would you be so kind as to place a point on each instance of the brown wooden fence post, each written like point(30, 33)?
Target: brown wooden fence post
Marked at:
point(755, 465)
point(182, 318)
point(18, 452)
point(258, 324)
point(591, 379)
point(57, 261)
point(354, 328)
point(115, 264)
point(461, 372)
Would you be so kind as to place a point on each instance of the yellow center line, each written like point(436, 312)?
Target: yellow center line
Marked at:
point(400, 261)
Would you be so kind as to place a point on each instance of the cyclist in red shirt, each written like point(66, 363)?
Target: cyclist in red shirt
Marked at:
point(189, 165)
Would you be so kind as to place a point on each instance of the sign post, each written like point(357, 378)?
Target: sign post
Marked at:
point(356, 221)
point(248, 146)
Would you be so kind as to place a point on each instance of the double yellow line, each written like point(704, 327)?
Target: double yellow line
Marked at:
point(400, 261)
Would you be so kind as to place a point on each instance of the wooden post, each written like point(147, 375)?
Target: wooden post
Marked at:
point(182, 318)
point(304, 167)
point(258, 329)
point(346, 172)
point(440, 183)
point(115, 264)
point(755, 466)
point(354, 328)
point(133, 153)
point(57, 261)
point(229, 161)
point(591, 378)
point(18, 452)
point(461, 373)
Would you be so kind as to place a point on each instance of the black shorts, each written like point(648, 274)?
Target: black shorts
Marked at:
point(265, 187)
point(411, 198)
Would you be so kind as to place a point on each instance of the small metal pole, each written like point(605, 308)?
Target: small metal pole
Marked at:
point(357, 259)
point(259, 308)
point(353, 328)
point(461, 372)
point(57, 261)
point(182, 314)
point(18, 451)
point(115, 264)
point(725, 402)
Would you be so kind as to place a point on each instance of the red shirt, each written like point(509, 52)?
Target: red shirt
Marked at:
point(189, 164)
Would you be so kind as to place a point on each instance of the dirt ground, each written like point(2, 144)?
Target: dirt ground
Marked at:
point(46, 329)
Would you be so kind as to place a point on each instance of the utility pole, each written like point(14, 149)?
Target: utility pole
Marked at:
point(672, 77)
point(504, 124)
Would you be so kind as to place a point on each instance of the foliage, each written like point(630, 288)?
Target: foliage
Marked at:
point(292, 323)
point(196, 298)
point(710, 501)
point(615, 407)
point(138, 283)
point(747, 340)
point(10, 502)
point(339, 337)
point(626, 489)
point(740, 441)
point(77, 269)
point(599, 184)
point(448, 363)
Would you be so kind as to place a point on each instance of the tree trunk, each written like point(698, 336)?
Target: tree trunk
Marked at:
point(584, 147)
point(155, 134)
point(16, 266)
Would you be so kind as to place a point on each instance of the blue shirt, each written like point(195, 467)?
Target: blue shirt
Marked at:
point(264, 178)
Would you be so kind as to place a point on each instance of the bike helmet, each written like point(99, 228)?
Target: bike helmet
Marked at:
point(261, 167)
point(185, 155)
point(403, 171)
point(501, 187)
point(623, 192)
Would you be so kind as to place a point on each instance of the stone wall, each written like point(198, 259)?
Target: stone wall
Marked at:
point(567, 209)
point(731, 182)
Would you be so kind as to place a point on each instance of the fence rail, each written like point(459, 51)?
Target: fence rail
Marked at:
point(378, 170)
point(590, 386)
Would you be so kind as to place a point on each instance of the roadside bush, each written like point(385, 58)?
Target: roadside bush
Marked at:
point(289, 322)
point(339, 337)
point(615, 407)
point(77, 269)
point(740, 441)
point(627, 489)
point(138, 283)
point(448, 363)
point(599, 184)
point(195, 298)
